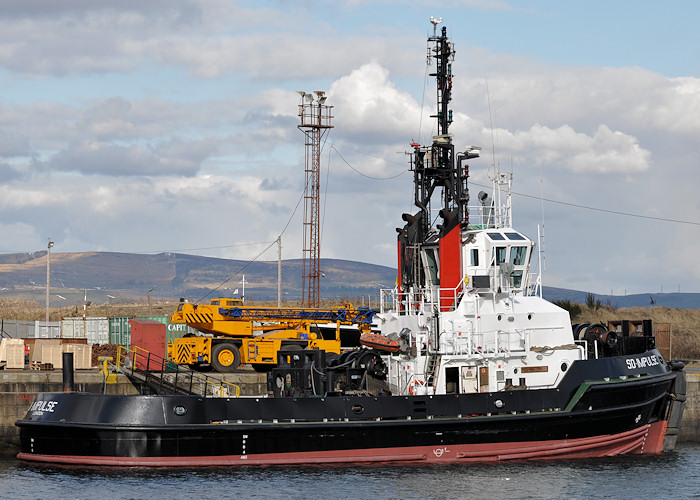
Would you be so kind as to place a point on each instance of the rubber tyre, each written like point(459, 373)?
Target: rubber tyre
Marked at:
point(225, 357)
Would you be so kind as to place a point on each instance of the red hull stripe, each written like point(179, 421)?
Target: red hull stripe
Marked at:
point(647, 439)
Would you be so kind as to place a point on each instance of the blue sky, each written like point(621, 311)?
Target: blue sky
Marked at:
point(170, 125)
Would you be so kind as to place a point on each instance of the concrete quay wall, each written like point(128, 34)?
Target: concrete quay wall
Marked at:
point(689, 431)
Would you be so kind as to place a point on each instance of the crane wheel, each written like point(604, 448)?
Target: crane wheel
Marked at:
point(225, 357)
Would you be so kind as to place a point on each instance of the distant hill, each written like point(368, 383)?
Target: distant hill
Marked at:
point(117, 277)
point(673, 300)
point(112, 276)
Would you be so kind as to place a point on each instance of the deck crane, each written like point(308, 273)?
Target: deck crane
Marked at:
point(232, 333)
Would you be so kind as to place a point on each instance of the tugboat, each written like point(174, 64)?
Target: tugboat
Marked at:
point(468, 363)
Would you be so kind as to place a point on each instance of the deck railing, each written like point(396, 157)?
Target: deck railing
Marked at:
point(168, 376)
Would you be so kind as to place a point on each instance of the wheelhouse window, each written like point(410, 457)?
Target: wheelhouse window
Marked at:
point(516, 279)
point(517, 255)
point(500, 254)
point(430, 263)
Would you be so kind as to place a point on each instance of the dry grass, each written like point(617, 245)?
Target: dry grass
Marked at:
point(29, 310)
point(684, 324)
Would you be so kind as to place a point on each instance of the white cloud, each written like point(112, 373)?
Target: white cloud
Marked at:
point(367, 102)
point(605, 151)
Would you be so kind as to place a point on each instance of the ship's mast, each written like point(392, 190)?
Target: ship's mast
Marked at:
point(435, 166)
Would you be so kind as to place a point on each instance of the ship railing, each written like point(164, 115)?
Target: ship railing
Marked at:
point(421, 300)
point(489, 217)
point(583, 347)
point(533, 285)
point(495, 343)
point(167, 376)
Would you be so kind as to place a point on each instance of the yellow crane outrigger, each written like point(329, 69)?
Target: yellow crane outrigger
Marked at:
point(249, 334)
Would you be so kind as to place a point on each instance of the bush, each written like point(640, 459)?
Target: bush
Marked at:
point(591, 302)
point(574, 308)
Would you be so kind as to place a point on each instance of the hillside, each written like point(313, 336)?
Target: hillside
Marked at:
point(112, 277)
point(121, 277)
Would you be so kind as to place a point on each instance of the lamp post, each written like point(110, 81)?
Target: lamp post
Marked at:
point(148, 297)
point(48, 279)
point(243, 282)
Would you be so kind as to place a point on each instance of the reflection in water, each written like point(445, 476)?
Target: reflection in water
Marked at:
point(669, 475)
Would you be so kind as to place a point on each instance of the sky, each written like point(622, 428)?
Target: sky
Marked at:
point(171, 126)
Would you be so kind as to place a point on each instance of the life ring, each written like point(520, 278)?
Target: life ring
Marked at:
point(416, 382)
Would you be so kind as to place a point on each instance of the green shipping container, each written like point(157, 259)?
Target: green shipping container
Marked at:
point(120, 331)
point(160, 318)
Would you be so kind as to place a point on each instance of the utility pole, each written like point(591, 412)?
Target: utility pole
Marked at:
point(148, 298)
point(48, 280)
point(315, 123)
point(279, 271)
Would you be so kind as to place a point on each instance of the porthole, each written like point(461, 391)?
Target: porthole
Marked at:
point(564, 367)
point(529, 316)
point(358, 409)
point(180, 410)
point(515, 370)
point(498, 403)
point(499, 317)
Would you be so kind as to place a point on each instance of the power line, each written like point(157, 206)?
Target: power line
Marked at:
point(365, 175)
point(605, 210)
point(575, 205)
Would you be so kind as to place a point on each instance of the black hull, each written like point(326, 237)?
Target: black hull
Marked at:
point(617, 411)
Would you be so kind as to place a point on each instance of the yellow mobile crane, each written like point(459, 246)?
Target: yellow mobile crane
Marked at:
point(250, 334)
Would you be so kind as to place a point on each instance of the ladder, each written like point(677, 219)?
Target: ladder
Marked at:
point(433, 364)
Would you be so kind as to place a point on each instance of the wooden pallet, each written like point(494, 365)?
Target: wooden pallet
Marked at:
point(36, 365)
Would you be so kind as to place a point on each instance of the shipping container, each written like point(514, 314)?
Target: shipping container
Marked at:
point(159, 318)
point(148, 336)
point(95, 329)
point(44, 330)
point(72, 328)
point(16, 329)
point(177, 328)
point(120, 330)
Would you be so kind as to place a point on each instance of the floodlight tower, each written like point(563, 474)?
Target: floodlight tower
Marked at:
point(315, 123)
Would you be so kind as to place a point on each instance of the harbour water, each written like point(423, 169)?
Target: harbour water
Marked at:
point(674, 475)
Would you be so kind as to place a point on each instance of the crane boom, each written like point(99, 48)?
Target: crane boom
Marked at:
point(349, 315)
